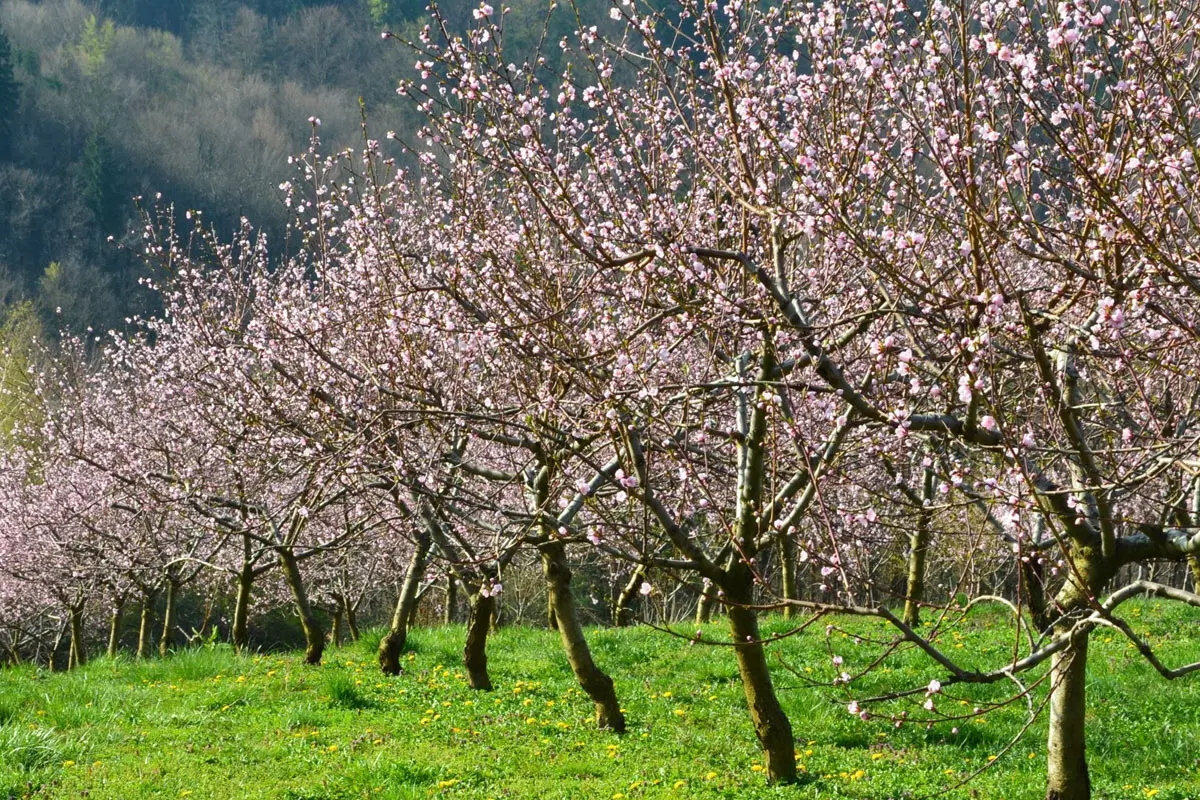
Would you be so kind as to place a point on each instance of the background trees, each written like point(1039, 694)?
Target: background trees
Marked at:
point(9, 95)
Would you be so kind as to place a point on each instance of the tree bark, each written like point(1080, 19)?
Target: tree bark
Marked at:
point(494, 617)
point(597, 684)
point(737, 581)
point(314, 636)
point(787, 572)
point(1194, 564)
point(1066, 755)
point(164, 641)
point(335, 635)
point(1032, 575)
point(392, 643)
point(704, 606)
point(58, 637)
point(241, 609)
point(1067, 771)
point(351, 619)
point(551, 621)
point(623, 613)
point(918, 551)
point(144, 632)
point(771, 724)
point(78, 656)
point(414, 610)
point(479, 621)
point(451, 599)
point(114, 627)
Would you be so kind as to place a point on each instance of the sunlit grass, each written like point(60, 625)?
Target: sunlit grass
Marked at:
point(210, 724)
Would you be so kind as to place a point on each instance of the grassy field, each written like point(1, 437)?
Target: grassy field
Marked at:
point(209, 724)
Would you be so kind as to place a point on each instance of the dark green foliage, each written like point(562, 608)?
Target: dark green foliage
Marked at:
point(99, 185)
point(10, 96)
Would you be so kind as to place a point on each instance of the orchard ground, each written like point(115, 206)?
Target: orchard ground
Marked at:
point(206, 723)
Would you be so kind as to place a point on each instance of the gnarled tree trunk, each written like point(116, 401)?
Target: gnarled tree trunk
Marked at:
point(918, 551)
point(597, 684)
point(704, 606)
point(114, 626)
point(623, 613)
point(479, 622)
point(1066, 759)
point(1032, 582)
point(78, 655)
point(241, 608)
point(164, 641)
point(351, 619)
point(787, 572)
point(144, 632)
point(451, 599)
point(392, 643)
point(737, 581)
point(314, 635)
point(415, 610)
point(771, 724)
point(335, 635)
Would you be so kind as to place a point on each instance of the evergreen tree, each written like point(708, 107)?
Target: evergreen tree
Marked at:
point(9, 96)
point(98, 184)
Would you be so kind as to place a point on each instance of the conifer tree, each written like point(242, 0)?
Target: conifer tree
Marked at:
point(9, 96)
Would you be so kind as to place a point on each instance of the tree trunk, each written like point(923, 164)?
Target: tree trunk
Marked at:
point(351, 619)
point(494, 618)
point(771, 724)
point(114, 627)
point(914, 592)
point(314, 636)
point(392, 643)
point(164, 642)
point(623, 613)
point(704, 606)
point(551, 621)
point(58, 637)
point(1035, 592)
point(1066, 757)
point(414, 610)
point(592, 680)
point(787, 572)
point(241, 609)
point(78, 656)
point(918, 551)
point(12, 646)
point(1066, 767)
point(451, 599)
point(335, 635)
point(1194, 563)
point(144, 632)
point(479, 621)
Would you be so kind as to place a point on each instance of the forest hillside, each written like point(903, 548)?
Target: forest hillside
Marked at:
point(196, 103)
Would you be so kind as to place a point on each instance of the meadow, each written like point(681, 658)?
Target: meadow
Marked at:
point(208, 723)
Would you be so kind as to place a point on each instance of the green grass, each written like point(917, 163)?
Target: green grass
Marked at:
point(209, 724)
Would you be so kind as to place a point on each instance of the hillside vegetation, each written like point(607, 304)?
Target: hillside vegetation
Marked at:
point(201, 102)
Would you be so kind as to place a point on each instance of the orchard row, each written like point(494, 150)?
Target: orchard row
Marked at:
point(795, 305)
